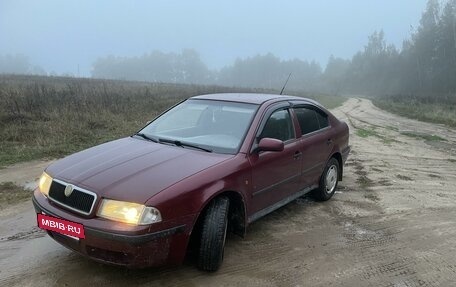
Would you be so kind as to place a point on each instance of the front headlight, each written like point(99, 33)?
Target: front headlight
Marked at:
point(45, 183)
point(128, 212)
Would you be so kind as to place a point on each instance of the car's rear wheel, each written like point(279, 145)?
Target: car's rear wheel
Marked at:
point(328, 181)
point(213, 234)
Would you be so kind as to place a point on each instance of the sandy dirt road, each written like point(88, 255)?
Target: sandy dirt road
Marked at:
point(391, 223)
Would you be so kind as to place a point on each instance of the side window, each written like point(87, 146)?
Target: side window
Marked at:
point(322, 119)
point(307, 119)
point(278, 126)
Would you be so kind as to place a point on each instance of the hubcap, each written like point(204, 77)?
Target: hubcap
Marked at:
point(331, 179)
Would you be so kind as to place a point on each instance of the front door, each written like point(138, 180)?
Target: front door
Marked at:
point(275, 174)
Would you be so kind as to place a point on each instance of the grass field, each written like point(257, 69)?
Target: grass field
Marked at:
point(441, 110)
point(49, 117)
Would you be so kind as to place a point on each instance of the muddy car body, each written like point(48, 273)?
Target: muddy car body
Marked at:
point(241, 157)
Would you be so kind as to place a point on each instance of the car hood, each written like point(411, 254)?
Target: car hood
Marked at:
point(131, 169)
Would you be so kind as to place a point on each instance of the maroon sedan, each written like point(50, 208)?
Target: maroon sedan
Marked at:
point(209, 165)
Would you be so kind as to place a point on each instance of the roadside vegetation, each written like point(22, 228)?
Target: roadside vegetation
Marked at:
point(426, 137)
point(416, 80)
point(367, 132)
point(440, 110)
point(49, 117)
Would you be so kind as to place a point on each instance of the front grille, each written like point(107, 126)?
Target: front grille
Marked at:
point(79, 200)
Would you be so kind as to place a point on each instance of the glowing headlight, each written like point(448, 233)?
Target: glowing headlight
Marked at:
point(45, 183)
point(128, 212)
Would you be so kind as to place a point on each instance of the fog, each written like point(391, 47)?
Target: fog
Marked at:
point(68, 37)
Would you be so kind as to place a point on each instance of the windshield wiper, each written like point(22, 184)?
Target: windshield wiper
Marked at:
point(144, 136)
point(183, 144)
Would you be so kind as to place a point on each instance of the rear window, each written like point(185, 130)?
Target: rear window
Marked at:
point(322, 119)
point(311, 120)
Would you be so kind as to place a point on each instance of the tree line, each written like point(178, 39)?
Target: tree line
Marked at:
point(18, 64)
point(260, 71)
point(425, 64)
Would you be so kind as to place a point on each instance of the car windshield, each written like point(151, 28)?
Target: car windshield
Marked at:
point(210, 125)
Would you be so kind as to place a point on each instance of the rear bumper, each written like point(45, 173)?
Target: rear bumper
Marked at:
point(134, 249)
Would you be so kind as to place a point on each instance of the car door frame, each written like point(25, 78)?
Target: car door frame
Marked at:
point(322, 138)
point(255, 210)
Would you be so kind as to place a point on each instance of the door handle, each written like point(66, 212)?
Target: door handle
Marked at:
point(297, 155)
point(329, 141)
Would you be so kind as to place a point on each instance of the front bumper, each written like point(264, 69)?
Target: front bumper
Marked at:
point(139, 247)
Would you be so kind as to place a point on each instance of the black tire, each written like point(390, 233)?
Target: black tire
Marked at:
point(328, 181)
point(213, 234)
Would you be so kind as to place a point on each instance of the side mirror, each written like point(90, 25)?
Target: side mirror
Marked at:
point(270, 144)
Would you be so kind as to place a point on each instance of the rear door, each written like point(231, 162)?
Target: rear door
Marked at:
point(316, 142)
point(275, 174)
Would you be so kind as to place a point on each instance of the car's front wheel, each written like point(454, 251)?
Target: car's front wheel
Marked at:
point(328, 181)
point(213, 234)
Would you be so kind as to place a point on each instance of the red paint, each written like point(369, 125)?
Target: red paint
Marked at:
point(181, 182)
point(60, 226)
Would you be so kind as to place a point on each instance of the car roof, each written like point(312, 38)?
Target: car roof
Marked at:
point(252, 98)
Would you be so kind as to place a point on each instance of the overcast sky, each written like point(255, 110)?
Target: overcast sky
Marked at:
point(60, 35)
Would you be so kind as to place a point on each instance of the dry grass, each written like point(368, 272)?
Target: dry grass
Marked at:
point(439, 109)
point(49, 117)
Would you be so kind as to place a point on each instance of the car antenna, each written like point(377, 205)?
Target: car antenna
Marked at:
point(286, 82)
